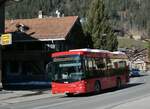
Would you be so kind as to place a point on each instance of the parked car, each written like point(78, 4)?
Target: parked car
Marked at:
point(135, 72)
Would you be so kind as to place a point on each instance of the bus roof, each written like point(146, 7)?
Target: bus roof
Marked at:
point(119, 55)
point(91, 52)
point(118, 52)
point(81, 52)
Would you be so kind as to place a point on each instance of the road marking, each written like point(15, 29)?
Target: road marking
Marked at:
point(52, 105)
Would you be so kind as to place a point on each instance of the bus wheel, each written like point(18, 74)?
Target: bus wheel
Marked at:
point(118, 83)
point(97, 87)
point(69, 94)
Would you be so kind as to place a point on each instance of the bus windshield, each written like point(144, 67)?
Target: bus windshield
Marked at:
point(67, 69)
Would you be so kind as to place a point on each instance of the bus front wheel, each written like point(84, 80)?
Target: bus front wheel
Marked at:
point(69, 94)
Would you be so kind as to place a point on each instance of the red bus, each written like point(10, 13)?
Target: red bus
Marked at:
point(87, 70)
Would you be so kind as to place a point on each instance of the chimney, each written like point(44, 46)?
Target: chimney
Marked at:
point(40, 15)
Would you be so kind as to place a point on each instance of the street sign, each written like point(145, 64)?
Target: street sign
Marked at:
point(6, 39)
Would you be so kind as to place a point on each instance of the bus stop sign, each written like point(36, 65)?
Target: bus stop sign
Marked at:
point(6, 39)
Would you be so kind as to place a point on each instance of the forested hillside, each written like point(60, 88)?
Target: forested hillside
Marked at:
point(123, 14)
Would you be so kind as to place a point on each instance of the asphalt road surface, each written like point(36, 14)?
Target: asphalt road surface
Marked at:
point(139, 87)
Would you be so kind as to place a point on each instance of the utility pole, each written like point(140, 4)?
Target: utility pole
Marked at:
point(2, 21)
point(2, 30)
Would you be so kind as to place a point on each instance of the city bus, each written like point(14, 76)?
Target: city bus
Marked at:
point(87, 70)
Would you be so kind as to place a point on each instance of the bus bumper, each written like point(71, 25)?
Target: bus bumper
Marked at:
point(75, 87)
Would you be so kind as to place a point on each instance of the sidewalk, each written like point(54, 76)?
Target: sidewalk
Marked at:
point(23, 96)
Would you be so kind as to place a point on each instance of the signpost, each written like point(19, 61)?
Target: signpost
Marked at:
point(6, 39)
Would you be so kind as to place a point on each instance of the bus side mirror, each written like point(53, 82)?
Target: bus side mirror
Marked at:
point(48, 67)
point(49, 70)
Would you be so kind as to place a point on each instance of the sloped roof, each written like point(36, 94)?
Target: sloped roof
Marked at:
point(45, 28)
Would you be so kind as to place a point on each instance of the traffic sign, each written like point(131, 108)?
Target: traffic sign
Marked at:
point(6, 39)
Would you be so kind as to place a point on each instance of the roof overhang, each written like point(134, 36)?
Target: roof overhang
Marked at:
point(42, 40)
point(57, 39)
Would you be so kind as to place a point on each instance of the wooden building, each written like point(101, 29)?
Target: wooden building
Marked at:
point(24, 61)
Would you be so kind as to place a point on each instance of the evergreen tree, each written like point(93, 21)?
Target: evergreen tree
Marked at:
point(148, 50)
point(127, 15)
point(99, 28)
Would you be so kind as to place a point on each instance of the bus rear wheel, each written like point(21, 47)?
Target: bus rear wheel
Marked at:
point(97, 87)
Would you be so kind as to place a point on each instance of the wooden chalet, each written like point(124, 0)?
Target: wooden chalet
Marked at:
point(24, 61)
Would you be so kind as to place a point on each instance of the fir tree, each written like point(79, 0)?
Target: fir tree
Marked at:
point(99, 28)
point(127, 15)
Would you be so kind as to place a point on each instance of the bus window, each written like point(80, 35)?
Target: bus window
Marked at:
point(90, 64)
point(101, 66)
point(94, 64)
point(90, 68)
point(86, 64)
point(100, 63)
point(115, 64)
point(109, 64)
point(122, 64)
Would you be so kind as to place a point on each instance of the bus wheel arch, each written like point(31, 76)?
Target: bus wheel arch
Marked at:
point(118, 83)
point(97, 86)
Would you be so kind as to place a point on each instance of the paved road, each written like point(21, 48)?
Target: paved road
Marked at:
point(138, 88)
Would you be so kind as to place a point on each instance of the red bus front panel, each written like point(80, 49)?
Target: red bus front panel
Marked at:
point(74, 87)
